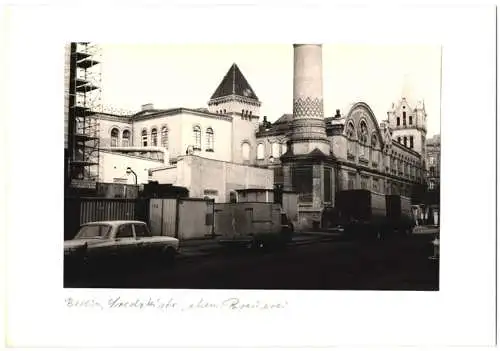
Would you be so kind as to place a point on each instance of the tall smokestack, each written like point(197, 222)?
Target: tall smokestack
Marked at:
point(308, 125)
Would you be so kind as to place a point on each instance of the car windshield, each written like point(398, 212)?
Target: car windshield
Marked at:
point(93, 231)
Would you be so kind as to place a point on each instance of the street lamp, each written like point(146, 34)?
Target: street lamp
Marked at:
point(129, 170)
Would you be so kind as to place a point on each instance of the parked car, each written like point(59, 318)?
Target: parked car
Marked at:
point(101, 245)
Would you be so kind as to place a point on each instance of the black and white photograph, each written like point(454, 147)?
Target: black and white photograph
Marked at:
point(262, 174)
point(250, 175)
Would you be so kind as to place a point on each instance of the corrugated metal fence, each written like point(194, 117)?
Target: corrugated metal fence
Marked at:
point(184, 218)
point(82, 210)
point(105, 210)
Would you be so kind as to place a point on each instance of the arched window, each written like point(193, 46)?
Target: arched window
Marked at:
point(374, 141)
point(144, 137)
point(224, 111)
point(398, 121)
point(399, 140)
point(114, 137)
point(350, 130)
point(276, 150)
point(210, 139)
point(350, 133)
point(363, 137)
point(245, 151)
point(126, 138)
point(164, 137)
point(405, 140)
point(197, 137)
point(373, 154)
point(363, 133)
point(260, 151)
point(411, 120)
point(154, 137)
point(411, 141)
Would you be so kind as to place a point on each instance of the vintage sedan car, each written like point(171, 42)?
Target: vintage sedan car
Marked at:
point(105, 243)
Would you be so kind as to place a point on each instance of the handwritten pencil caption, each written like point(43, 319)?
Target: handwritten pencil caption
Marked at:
point(141, 304)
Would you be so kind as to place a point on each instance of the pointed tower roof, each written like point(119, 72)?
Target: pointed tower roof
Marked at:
point(234, 83)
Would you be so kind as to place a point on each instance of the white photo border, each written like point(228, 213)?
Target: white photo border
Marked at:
point(461, 313)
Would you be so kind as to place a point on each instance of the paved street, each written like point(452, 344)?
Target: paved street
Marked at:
point(310, 262)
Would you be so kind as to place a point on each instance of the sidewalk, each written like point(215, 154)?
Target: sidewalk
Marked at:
point(426, 229)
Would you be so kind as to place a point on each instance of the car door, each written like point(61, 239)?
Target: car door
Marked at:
point(126, 245)
point(146, 243)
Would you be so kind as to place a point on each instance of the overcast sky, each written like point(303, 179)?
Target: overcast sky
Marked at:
point(187, 75)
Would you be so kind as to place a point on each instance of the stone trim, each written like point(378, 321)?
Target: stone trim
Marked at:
point(308, 107)
point(113, 118)
point(234, 97)
point(360, 168)
point(180, 110)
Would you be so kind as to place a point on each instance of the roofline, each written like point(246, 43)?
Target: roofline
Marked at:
point(235, 97)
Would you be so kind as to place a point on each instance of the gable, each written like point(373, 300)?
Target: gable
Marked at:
point(361, 115)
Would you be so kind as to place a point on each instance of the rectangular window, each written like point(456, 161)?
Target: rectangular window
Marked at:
point(327, 176)
point(210, 192)
point(351, 181)
point(364, 183)
point(375, 184)
point(302, 182)
point(411, 141)
point(278, 175)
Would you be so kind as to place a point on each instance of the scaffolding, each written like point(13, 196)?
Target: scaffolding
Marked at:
point(84, 98)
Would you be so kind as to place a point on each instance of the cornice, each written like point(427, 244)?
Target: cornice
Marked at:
point(234, 97)
point(180, 110)
point(359, 168)
point(113, 118)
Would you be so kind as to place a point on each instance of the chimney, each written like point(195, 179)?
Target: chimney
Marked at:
point(146, 107)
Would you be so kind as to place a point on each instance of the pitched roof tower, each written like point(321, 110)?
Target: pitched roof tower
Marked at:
point(235, 95)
